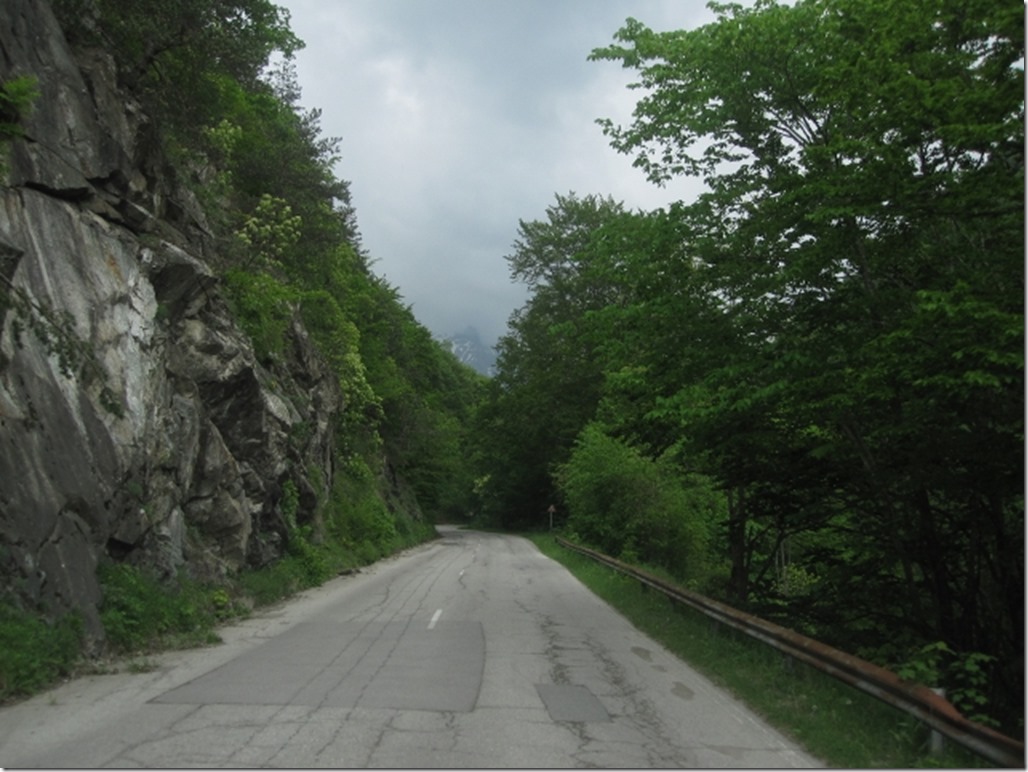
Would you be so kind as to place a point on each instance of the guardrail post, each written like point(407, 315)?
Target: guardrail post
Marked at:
point(936, 740)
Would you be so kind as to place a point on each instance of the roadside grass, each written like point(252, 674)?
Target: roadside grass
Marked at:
point(33, 652)
point(309, 565)
point(838, 724)
point(142, 614)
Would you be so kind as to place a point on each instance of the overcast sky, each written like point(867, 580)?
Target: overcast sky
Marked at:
point(460, 117)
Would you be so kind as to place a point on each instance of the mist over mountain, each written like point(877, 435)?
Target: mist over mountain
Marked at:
point(468, 347)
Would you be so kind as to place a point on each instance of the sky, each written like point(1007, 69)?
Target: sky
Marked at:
point(458, 118)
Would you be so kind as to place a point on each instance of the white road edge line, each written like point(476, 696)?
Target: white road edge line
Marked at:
point(435, 618)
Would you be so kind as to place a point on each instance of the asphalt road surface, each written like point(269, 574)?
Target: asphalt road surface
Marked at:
point(474, 651)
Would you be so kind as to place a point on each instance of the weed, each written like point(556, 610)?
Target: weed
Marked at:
point(33, 651)
point(141, 613)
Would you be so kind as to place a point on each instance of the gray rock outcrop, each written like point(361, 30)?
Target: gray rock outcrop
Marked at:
point(135, 420)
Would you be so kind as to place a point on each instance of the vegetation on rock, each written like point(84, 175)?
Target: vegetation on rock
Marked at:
point(277, 227)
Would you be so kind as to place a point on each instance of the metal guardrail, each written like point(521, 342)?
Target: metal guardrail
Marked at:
point(918, 701)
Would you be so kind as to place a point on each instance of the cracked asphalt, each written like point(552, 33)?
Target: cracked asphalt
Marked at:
point(474, 651)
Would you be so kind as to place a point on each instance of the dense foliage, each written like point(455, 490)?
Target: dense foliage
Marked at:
point(813, 374)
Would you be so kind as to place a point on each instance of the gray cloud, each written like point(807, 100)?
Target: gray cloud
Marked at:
point(460, 117)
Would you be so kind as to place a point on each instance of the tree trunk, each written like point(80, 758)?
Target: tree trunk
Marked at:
point(738, 581)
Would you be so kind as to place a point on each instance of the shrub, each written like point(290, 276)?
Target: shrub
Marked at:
point(33, 651)
point(264, 308)
point(16, 98)
point(635, 507)
point(139, 612)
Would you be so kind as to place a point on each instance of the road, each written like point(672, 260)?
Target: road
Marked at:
point(472, 651)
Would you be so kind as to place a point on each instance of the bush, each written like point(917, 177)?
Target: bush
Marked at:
point(358, 516)
point(16, 98)
point(33, 651)
point(310, 564)
point(635, 507)
point(264, 308)
point(138, 612)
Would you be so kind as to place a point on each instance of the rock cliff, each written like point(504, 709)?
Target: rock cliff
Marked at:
point(135, 420)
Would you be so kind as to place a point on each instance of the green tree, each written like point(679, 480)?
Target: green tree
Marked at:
point(167, 50)
point(863, 231)
point(637, 507)
point(548, 373)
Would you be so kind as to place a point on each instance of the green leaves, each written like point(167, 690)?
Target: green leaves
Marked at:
point(16, 98)
point(642, 509)
point(268, 233)
point(549, 363)
point(843, 345)
point(265, 307)
point(141, 613)
point(34, 652)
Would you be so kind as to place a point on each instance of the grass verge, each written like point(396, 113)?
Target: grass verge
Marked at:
point(836, 723)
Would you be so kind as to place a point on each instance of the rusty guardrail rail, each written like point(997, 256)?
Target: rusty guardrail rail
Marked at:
point(917, 700)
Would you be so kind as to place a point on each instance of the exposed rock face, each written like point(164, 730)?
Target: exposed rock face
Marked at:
point(134, 417)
